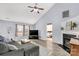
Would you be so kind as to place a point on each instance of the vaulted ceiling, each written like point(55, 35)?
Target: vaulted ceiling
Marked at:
point(19, 12)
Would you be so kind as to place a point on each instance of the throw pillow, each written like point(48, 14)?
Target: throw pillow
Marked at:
point(12, 47)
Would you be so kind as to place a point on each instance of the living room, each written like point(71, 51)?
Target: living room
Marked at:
point(26, 24)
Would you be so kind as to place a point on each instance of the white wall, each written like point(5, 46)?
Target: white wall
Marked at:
point(54, 16)
point(5, 25)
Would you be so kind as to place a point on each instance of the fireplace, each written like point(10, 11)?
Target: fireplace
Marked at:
point(66, 41)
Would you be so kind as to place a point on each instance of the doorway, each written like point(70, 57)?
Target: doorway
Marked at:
point(49, 30)
point(49, 33)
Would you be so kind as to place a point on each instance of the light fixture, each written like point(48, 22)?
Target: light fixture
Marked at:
point(35, 8)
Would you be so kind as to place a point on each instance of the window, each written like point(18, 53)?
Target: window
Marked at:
point(22, 30)
point(26, 30)
point(19, 30)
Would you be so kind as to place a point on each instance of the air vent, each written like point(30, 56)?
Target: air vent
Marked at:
point(66, 14)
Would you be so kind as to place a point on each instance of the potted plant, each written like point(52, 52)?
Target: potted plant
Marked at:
point(73, 25)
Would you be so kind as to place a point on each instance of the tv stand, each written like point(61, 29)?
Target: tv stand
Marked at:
point(33, 37)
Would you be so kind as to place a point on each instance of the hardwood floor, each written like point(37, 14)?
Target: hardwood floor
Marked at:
point(49, 48)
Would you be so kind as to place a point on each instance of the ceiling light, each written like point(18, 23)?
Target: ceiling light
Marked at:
point(35, 8)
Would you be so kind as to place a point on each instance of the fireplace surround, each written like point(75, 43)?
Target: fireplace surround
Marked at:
point(66, 41)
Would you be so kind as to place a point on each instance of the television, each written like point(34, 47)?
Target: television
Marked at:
point(33, 32)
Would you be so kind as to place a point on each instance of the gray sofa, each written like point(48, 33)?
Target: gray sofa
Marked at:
point(27, 49)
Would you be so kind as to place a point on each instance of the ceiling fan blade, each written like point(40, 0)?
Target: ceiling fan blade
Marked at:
point(30, 7)
point(32, 10)
point(38, 12)
point(41, 8)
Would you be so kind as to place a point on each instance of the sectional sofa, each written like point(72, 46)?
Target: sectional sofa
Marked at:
point(27, 49)
point(18, 49)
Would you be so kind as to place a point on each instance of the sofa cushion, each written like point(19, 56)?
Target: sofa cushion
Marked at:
point(3, 48)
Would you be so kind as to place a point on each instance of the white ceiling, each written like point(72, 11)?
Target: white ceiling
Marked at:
point(19, 12)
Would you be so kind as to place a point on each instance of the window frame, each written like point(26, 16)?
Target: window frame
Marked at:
point(23, 30)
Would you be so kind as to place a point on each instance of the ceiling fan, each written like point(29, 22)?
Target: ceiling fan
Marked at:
point(35, 8)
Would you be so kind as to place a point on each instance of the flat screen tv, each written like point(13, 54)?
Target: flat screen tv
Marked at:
point(33, 32)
